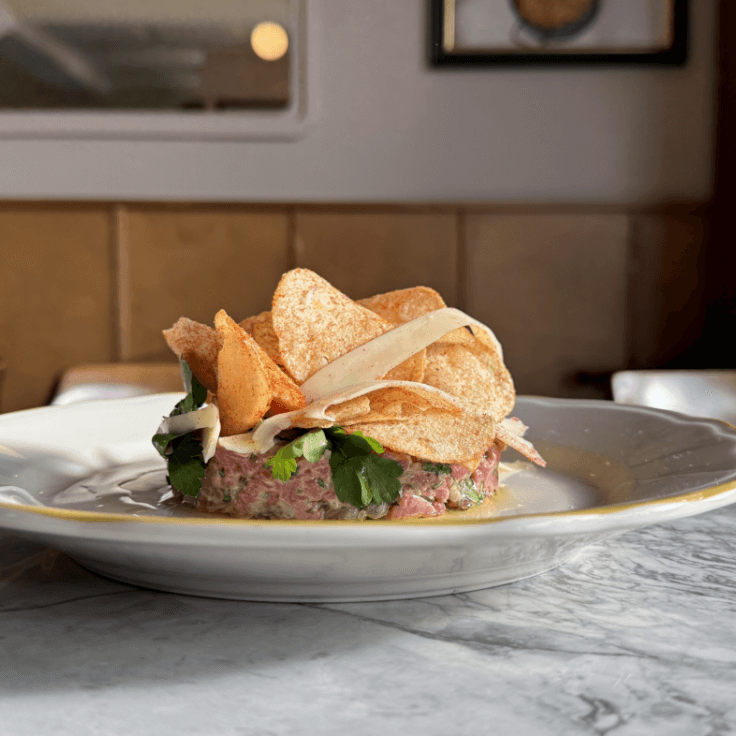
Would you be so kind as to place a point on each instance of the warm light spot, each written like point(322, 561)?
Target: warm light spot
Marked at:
point(269, 41)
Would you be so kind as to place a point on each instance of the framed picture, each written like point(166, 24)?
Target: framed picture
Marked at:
point(515, 32)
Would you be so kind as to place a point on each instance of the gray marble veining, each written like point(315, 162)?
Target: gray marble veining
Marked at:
point(634, 636)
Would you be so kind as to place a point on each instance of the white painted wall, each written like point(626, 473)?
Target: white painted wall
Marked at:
point(383, 126)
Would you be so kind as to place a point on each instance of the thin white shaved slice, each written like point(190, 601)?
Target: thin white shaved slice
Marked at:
point(210, 435)
point(207, 419)
point(375, 358)
point(240, 443)
point(263, 436)
point(507, 432)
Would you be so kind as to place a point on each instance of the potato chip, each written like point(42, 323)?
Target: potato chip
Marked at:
point(399, 307)
point(474, 375)
point(376, 404)
point(441, 405)
point(436, 436)
point(260, 328)
point(404, 305)
point(197, 345)
point(345, 412)
point(350, 410)
point(285, 394)
point(243, 391)
point(315, 323)
point(410, 370)
point(397, 402)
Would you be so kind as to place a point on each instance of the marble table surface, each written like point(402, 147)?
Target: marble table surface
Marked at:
point(634, 636)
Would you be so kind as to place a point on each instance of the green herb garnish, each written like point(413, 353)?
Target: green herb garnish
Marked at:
point(471, 491)
point(183, 452)
point(186, 465)
point(196, 393)
point(437, 468)
point(311, 446)
point(359, 475)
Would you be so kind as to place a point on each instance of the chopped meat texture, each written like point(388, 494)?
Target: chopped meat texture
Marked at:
point(242, 486)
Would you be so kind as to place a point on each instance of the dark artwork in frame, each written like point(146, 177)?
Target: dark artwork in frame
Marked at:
point(549, 32)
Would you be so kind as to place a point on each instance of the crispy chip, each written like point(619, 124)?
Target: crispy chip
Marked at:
point(350, 410)
point(315, 324)
point(283, 393)
point(380, 404)
point(474, 374)
point(197, 345)
point(243, 391)
point(410, 370)
point(436, 436)
point(446, 408)
point(260, 328)
point(398, 402)
point(345, 412)
point(399, 307)
point(286, 395)
point(461, 336)
point(404, 305)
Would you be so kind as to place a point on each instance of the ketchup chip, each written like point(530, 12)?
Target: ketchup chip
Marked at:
point(197, 345)
point(443, 404)
point(260, 328)
point(404, 305)
point(435, 435)
point(249, 382)
point(474, 374)
point(315, 324)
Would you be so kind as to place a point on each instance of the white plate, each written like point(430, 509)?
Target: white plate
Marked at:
point(611, 468)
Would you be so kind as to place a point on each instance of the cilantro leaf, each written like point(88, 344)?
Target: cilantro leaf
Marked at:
point(196, 395)
point(186, 465)
point(360, 476)
point(361, 481)
point(161, 442)
point(374, 445)
point(283, 463)
point(383, 478)
point(366, 479)
point(348, 488)
point(311, 446)
point(183, 452)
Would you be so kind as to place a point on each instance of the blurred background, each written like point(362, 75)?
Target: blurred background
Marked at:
point(174, 158)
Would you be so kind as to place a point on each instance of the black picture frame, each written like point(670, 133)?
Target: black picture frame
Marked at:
point(440, 56)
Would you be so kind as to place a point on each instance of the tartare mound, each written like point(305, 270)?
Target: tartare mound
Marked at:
point(242, 486)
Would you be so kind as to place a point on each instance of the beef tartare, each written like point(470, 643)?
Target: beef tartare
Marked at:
point(243, 486)
point(323, 408)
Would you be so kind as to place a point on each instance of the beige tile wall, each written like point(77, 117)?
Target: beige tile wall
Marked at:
point(567, 291)
point(554, 289)
point(193, 262)
point(365, 253)
point(56, 296)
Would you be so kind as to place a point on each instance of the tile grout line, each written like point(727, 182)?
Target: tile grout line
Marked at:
point(122, 280)
point(461, 261)
point(632, 270)
point(114, 308)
